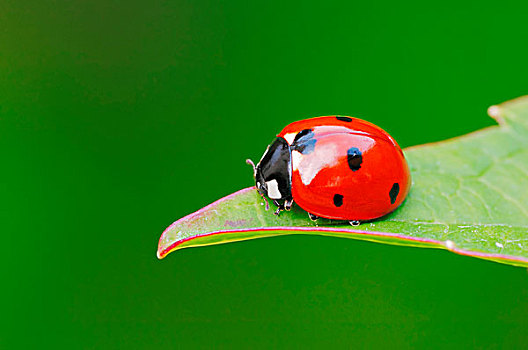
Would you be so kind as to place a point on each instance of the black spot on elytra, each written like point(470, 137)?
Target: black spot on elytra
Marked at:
point(393, 193)
point(344, 119)
point(354, 158)
point(338, 200)
point(304, 142)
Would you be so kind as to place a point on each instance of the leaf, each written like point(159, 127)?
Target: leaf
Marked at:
point(469, 195)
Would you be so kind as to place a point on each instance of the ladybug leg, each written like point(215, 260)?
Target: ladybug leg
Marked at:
point(313, 217)
point(354, 222)
point(288, 204)
point(280, 207)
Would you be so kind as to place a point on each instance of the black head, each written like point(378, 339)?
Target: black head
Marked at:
point(273, 172)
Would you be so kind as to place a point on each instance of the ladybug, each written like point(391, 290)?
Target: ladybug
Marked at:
point(334, 167)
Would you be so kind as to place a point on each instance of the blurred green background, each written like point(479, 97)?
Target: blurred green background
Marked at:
point(119, 117)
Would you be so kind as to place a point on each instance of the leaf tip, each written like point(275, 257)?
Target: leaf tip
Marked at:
point(159, 252)
point(163, 250)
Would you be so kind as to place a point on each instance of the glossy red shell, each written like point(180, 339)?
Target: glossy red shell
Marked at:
point(323, 182)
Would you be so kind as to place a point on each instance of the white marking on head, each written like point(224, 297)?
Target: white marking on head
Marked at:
point(273, 189)
point(296, 159)
point(290, 137)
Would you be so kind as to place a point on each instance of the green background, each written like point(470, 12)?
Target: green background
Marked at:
point(119, 117)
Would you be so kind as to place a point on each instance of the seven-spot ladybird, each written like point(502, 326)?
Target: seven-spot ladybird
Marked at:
point(334, 167)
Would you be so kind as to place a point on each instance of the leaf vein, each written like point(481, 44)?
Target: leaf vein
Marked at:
point(508, 197)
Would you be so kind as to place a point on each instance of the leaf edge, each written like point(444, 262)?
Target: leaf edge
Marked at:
point(373, 236)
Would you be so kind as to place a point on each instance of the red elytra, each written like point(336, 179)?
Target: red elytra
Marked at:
point(340, 168)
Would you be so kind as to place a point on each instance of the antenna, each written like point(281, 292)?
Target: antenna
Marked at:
point(250, 162)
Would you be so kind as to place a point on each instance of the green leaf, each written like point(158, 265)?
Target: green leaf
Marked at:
point(469, 195)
